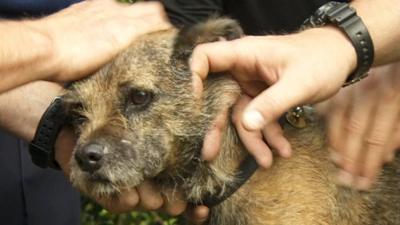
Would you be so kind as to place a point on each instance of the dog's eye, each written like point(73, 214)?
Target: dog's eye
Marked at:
point(77, 119)
point(80, 119)
point(140, 98)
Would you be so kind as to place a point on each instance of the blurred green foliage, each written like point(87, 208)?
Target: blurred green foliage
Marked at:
point(94, 214)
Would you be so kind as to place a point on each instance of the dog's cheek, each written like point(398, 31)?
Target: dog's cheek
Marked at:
point(155, 154)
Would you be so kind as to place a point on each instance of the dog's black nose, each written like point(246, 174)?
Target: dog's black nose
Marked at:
point(90, 157)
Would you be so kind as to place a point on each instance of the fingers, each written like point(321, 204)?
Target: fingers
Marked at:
point(354, 125)
point(362, 129)
point(212, 57)
point(115, 26)
point(273, 134)
point(377, 140)
point(197, 84)
point(252, 140)
point(150, 196)
point(145, 197)
point(125, 202)
point(213, 138)
point(173, 203)
point(198, 215)
point(336, 121)
point(151, 14)
point(274, 101)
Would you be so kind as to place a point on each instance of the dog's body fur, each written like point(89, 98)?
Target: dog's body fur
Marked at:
point(163, 138)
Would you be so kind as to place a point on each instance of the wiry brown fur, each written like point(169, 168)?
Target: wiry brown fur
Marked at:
point(163, 141)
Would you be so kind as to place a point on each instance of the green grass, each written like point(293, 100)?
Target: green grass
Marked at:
point(93, 214)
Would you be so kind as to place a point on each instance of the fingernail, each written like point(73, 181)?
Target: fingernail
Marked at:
point(253, 120)
point(286, 152)
point(363, 183)
point(345, 178)
point(265, 162)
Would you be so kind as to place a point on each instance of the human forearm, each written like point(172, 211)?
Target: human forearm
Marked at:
point(22, 108)
point(24, 54)
point(73, 42)
point(382, 17)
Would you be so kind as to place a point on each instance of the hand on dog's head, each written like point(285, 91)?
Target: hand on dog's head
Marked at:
point(138, 118)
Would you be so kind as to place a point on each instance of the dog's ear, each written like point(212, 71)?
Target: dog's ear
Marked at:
point(210, 31)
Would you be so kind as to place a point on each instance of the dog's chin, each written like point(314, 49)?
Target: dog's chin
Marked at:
point(94, 185)
point(98, 185)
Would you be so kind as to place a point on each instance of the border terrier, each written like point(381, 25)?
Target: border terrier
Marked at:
point(137, 118)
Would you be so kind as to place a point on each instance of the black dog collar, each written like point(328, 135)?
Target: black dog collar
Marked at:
point(246, 169)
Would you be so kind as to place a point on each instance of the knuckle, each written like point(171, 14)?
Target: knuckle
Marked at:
point(175, 211)
point(350, 165)
point(371, 171)
point(354, 127)
point(129, 202)
point(152, 203)
point(270, 103)
point(374, 142)
point(390, 96)
point(199, 50)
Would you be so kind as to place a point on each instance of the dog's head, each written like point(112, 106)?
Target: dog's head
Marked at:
point(137, 117)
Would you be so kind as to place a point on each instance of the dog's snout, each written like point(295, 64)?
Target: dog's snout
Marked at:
point(89, 158)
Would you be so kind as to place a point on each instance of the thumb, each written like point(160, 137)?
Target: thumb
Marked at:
point(270, 104)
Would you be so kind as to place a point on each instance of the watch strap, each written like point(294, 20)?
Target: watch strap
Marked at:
point(41, 147)
point(346, 18)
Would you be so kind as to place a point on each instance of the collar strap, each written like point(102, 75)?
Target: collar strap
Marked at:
point(246, 169)
point(249, 165)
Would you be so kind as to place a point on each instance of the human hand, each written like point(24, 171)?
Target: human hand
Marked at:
point(279, 72)
point(364, 126)
point(87, 35)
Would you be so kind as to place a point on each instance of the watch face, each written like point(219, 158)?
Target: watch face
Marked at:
point(322, 12)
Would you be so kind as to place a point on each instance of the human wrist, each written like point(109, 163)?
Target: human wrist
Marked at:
point(336, 44)
point(28, 98)
point(25, 54)
point(383, 27)
point(44, 41)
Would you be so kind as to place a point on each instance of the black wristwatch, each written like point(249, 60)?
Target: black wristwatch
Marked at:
point(41, 147)
point(345, 17)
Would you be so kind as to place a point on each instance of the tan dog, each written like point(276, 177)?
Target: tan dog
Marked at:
point(137, 118)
